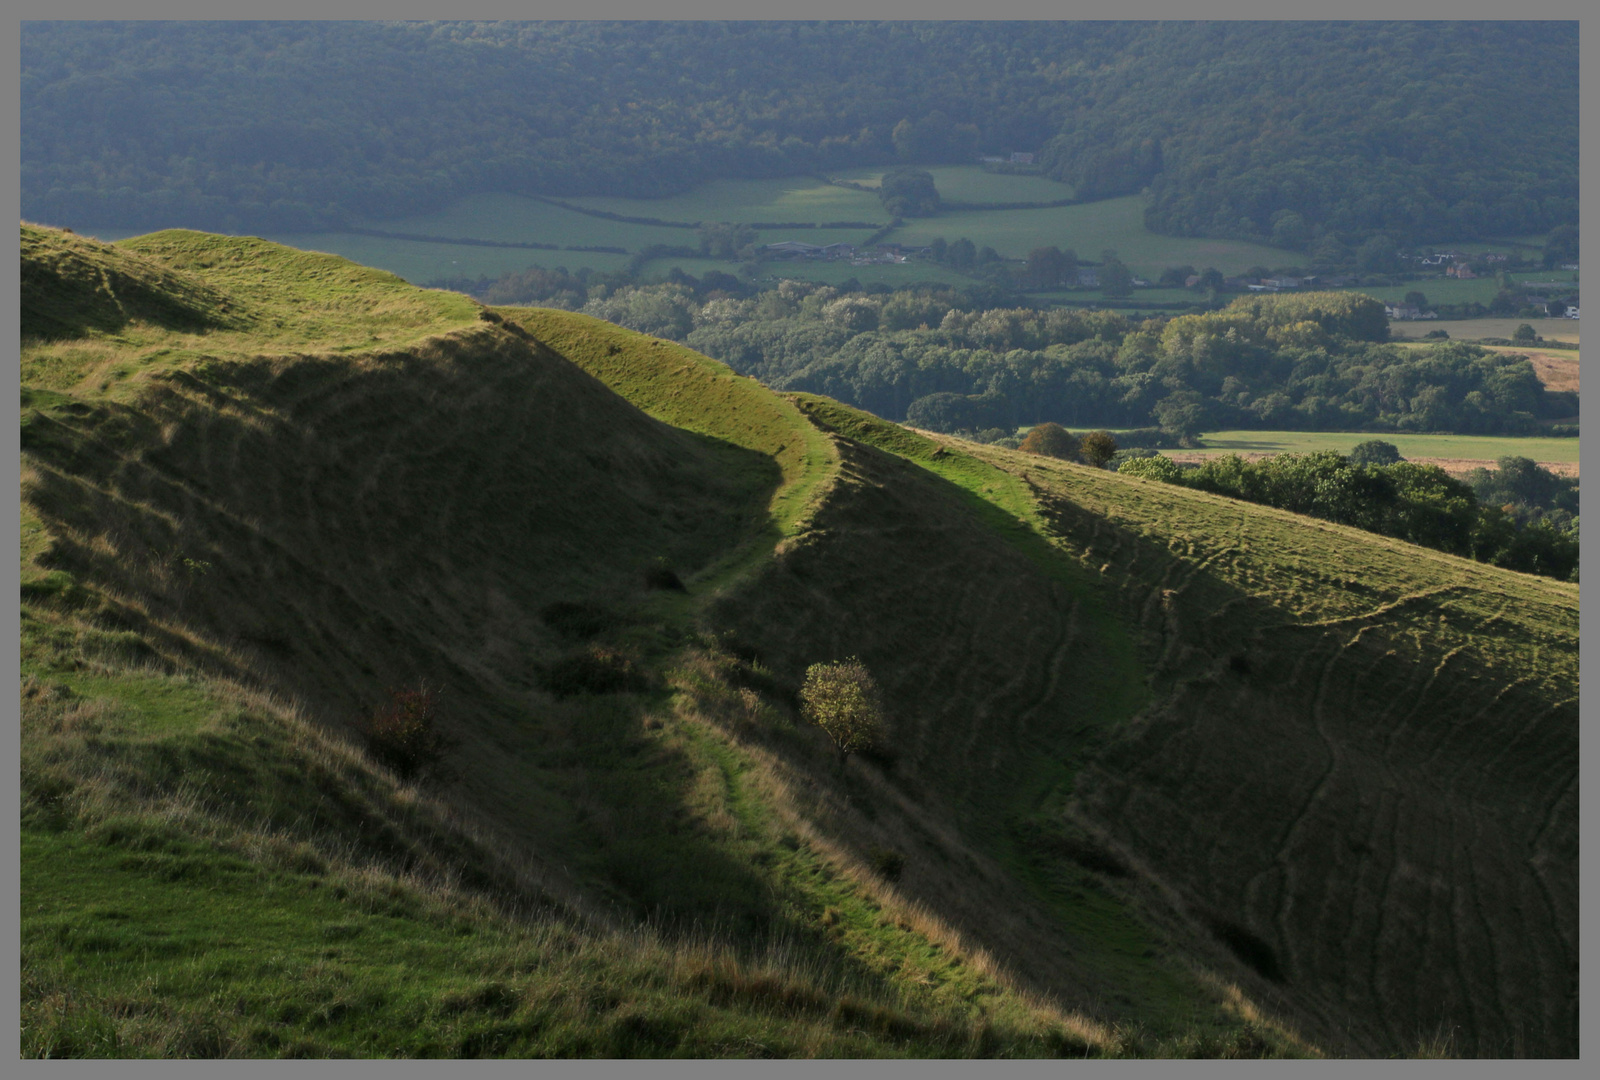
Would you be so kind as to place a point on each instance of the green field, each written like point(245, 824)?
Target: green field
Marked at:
point(1445, 290)
point(1468, 329)
point(1088, 229)
point(520, 219)
point(420, 262)
point(1477, 447)
point(793, 198)
point(972, 184)
point(1504, 245)
point(1437, 290)
point(914, 272)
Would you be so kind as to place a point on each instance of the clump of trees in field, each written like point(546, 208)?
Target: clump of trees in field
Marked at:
point(1050, 440)
point(1095, 448)
point(1518, 515)
point(909, 193)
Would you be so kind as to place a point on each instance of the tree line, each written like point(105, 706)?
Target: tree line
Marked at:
point(957, 360)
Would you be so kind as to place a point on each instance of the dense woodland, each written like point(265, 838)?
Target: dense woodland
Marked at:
point(970, 360)
point(1315, 136)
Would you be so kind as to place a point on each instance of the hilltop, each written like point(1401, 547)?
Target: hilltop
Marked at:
point(1167, 775)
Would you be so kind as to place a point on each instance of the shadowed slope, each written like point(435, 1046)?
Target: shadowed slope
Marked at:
point(1360, 765)
point(1357, 766)
point(71, 285)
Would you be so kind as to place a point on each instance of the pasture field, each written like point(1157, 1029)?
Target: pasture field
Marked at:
point(1505, 245)
point(1471, 329)
point(524, 220)
point(420, 262)
point(1088, 229)
point(1452, 291)
point(1437, 290)
point(1472, 447)
point(914, 272)
point(791, 198)
point(973, 184)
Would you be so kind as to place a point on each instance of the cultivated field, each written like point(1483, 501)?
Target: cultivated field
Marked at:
point(1470, 329)
point(1556, 370)
point(1454, 453)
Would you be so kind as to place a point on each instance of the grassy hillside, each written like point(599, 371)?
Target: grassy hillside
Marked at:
point(1093, 832)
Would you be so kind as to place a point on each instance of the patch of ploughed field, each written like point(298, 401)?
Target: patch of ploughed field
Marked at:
point(1453, 466)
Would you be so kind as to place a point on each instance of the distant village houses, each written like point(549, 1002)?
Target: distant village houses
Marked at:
point(1408, 311)
point(1278, 284)
point(882, 253)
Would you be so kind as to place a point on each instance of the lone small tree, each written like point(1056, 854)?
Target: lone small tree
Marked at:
point(843, 699)
point(1097, 448)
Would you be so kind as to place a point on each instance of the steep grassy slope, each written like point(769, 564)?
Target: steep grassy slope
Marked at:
point(1364, 754)
point(237, 516)
point(1132, 726)
point(1359, 766)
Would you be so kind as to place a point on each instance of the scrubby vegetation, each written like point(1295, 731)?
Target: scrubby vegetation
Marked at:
point(405, 734)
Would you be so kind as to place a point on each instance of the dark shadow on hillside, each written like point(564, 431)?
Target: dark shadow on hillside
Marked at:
point(71, 286)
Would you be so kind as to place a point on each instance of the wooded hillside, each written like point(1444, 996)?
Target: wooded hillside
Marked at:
point(1298, 133)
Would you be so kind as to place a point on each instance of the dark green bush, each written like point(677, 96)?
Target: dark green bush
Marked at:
point(594, 670)
point(577, 619)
